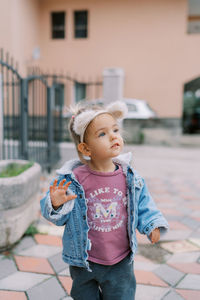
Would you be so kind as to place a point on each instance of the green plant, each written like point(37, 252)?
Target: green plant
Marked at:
point(32, 230)
point(141, 137)
point(14, 169)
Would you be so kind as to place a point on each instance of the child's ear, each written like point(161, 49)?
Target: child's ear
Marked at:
point(84, 149)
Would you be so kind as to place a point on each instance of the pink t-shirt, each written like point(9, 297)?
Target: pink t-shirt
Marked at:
point(107, 214)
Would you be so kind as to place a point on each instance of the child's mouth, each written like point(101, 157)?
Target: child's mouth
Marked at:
point(115, 145)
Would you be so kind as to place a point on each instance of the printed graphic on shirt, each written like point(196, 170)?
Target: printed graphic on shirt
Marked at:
point(106, 209)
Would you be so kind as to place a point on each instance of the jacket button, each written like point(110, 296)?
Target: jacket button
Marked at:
point(147, 228)
point(84, 217)
point(130, 171)
point(80, 196)
point(152, 224)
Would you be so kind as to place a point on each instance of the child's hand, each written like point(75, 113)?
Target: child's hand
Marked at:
point(59, 195)
point(155, 235)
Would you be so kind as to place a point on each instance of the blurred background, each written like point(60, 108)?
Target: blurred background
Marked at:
point(55, 53)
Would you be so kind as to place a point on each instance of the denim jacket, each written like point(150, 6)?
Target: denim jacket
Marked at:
point(142, 212)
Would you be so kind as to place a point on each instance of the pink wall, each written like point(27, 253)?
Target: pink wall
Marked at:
point(19, 29)
point(147, 38)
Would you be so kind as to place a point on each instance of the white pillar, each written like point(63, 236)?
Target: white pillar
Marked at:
point(1, 118)
point(113, 84)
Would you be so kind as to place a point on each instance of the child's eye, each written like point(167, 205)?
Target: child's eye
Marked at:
point(101, 134)
point(116, 130)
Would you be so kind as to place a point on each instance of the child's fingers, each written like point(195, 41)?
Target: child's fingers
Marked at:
point(155, 236)
point(61, 184)
point(67, 185)
point(71, 197)
point(51, 189)
point(55, 183)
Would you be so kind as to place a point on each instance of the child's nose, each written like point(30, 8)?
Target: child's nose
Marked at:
point(112, 135)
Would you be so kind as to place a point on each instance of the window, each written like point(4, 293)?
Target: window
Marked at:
point(80, 91)
point(58, 25)
point(193, 16)
point(131, 107)
point(81, 24)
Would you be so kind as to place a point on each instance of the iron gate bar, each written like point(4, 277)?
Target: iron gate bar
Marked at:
point(24, 120)
point(10, 76)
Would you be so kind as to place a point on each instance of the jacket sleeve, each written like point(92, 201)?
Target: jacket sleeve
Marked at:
point(149, 216)
point(61, 215)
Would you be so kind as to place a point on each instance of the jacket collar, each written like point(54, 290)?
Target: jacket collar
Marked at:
point(123, 159)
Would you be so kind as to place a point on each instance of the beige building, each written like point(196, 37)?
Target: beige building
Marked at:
point(155, 42)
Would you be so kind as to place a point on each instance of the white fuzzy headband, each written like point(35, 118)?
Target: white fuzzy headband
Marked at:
point(117, 109)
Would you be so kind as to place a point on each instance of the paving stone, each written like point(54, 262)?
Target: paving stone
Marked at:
point(41, 251)
point(190, 281)
point(57, 263)
point(171, 211)
point(51, 240)
point(196, 218)
point(173, 296)
point(9, 295)
point(163, 201)
point(145, 292)
point(48, 290)
point(7, 267)
point(195, 214)
point(190, 222)
point(50, 229)
point(174, 218)
point(145, 277)
point(184, 210)
point(146, 266)
point(192, 268)
point(66, 283)
point(196, 241)
point(188, 257)
point(141, 258)
point(65, 272)
point(24, 243)
point(176, 225)
point(179, 247)
point(33, 264)
point(168, 274)
point(21, 281)
point(175, 235)
point(189, 294)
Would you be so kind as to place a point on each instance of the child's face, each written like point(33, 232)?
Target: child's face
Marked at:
point(103, 137)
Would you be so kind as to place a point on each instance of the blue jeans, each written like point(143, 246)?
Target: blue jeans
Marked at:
point(116, 282)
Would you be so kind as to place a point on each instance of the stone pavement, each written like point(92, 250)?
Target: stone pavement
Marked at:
point(170, 270)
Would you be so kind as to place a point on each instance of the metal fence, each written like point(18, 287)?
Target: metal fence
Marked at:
point(32, 111)
point(68, 90)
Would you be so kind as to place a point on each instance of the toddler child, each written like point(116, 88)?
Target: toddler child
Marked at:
point(101, 201)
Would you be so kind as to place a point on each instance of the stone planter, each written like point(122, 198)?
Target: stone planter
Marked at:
point(19, 203)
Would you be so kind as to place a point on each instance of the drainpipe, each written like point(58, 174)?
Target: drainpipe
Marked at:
point(113, 84)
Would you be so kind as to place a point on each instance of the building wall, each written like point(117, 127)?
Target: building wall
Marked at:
point(148, 39)
point(19, 30)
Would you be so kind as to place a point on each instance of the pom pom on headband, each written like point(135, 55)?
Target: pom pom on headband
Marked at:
point(117, 109)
